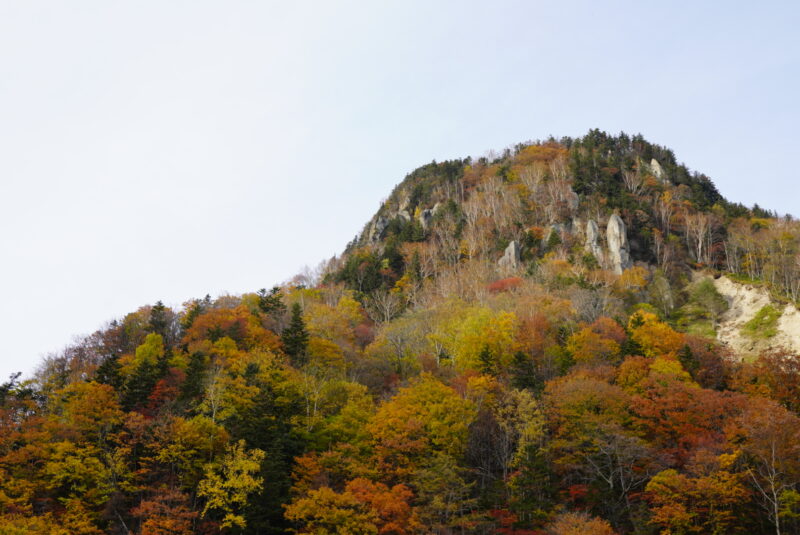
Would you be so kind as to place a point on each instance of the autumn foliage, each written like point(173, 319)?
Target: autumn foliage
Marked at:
point(415, 385)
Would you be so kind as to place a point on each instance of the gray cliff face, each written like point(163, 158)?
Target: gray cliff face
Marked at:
point(425, 218)
point(573, 201)
point(510, 260)
point(592, 243)
point(618, 248)
point(378, 229)
point(403, 206)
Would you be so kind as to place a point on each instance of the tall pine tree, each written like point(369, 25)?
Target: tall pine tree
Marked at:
point(295, 337)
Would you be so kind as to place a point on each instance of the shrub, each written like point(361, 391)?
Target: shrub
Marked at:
point(764, 324)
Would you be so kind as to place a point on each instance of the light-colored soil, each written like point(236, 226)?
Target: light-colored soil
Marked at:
point(745, 301)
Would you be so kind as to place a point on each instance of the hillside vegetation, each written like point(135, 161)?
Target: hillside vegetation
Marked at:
point(524, 344)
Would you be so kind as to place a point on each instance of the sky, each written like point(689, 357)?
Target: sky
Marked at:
point(157, 150)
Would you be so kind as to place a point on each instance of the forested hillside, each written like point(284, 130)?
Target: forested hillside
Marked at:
point(527, 343)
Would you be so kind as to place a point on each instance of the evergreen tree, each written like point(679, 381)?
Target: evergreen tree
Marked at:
point(414, 269)
point(295, 337)
point(159, 322)
point(688, 360)
point(486, 359)
point(196, 308)
point(140, 385)
point(271, 302)
point(108, 372)
point(8, 387)
point(192, 387)
point(523, 372)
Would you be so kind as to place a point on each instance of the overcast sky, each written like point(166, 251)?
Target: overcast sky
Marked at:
point(165, 150)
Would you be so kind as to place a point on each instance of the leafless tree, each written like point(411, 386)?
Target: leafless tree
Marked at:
point(383, 306)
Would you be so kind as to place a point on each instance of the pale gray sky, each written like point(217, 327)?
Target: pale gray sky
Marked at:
point(164, 150)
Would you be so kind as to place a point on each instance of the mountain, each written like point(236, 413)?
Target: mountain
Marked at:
point(573, 336)
point(599, 201)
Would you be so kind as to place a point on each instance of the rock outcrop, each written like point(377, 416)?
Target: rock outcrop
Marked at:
point(573, 201)
point(377, 229)
point(619, 255)
point(403, 206)
point(658, 171)
point(592, 243)
point(426, 216)
point(511, 259)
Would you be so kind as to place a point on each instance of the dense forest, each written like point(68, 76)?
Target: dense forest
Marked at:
point(524, 343)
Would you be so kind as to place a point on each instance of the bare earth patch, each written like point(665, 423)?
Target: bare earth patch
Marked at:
point(745, 301)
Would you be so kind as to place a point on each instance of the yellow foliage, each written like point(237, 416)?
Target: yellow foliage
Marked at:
point(149, 352)
point(587, 346)
point(403, 284)
point(190, 444)
point(631, 280)
point(670, 367)
point(228, 483)
point(466, 334)
point(579, 524)
point(422, 419)
point(653, 335)
point(325, 354)
point(631, 372)
point(334, 323)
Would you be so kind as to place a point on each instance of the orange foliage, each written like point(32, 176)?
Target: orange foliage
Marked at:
point(679, 417)
point(579, 524)
point(546, 152)
point(608, 328)
point(166, 512)
point(536, 333)
point(364, 507)
point(773, 375)
point(392, 505)
point(703, 504)
point(235, 323)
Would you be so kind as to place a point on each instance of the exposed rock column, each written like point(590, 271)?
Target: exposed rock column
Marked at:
point(510, 260)
point(592, 244)
point(658, 171)
point(618, 248)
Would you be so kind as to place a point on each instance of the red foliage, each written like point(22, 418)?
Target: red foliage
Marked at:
point(680, 418)
point(577, 493)
point(364, 334)
point(506, 520)
point(166, 389)
point(608, 328)
point(504, 285)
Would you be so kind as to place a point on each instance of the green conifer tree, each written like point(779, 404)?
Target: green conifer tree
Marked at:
point(159, 322)
point(295, 337)
point(271, 302)
point(487, 361)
